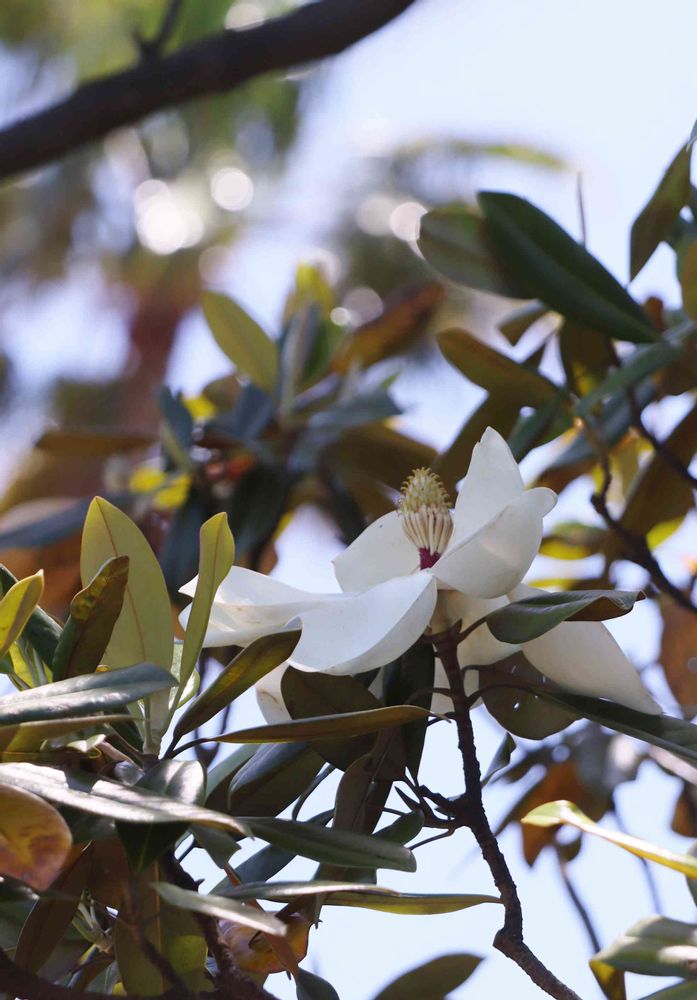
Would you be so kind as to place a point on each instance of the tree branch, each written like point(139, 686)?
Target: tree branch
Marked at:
point(213, 65)
point(469, 808)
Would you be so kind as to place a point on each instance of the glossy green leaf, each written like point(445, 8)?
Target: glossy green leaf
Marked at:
point(339, 847)
point(40, 630)
point(241, 339)
point(28, 736)
point(453, 239)
point(566, 813)
point(409, 680)
point(655, 220)
point(248, 667)
point(103, 797)
point(518, 696)
point(93, 615)
point(221, 908)
point(559, 271)
point(655, 946)
point(495, 372)
point(16, 607)
point(501, 759)
point(216, 556)
point(179, 781)
point(87, 695)
point(325, 727)
point(433, 980)
point(273, 778)
point(524, 620)
point(144, 629)
point(683, 991)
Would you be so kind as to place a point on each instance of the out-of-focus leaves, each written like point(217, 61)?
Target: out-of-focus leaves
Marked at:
point(655, 946)
point(181, 781)
point(586, 355)
point(248, 667)
point(660, 493)
point(678, 653)
point(409, 680)
point(399, 327)
point(362, 408)
point(257, 505)
point(51, 528)
point(103, 797)
point(86, 695)
point(36, 840)
point(653, 223)
point(684, 991)
point(376, 453)
point(312, 987)
point(567, 813)
point(573, 540)
point(432, 981)
point(272, 779)
point(540, 426)
point(172, 931)
point(553, 267)
point(217, 553)
point(51, 916)
point(642, 363)
point(222, 908)
point(93, 615)
point(242, 339)
point(246, 422)
point(455, 241)
point(89, 441)
point(610, 981)
point(336, 847)
point(176, 428)
point(313, 694)
point(493, 371)
point(16, 607)
point(501, 759)
point(518, 322)
point(687, 272)
point(527, 619)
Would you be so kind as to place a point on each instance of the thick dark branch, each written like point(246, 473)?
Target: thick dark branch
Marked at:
point(211, 66)
point(470, 810)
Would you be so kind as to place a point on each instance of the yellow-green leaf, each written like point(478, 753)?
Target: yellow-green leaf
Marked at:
point(242, 339)
point(216, 555)
point(566, 813)
point(35, 839)
point(16, 607)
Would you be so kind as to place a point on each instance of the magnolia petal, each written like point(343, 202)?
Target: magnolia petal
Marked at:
point(358, 632)
point(248, 605)
point(269, 697)
point(380, 553)
point(585, 658)
point(492, 481)
point(494, 560)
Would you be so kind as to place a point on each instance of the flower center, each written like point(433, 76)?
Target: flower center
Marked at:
point(424, 509)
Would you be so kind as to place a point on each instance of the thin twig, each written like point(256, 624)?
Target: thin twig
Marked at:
point(509, 939)
point(577, 902)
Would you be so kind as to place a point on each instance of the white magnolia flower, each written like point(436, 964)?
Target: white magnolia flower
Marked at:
point(426, 565)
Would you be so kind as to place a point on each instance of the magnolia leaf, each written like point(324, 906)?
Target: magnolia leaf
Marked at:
point(216, 556)
point(35, 840)
point(453, 239)
point(221, 908)
point(242, 339)
point(51, 916)
point(102, 797)
point(655, 220)
point(522, 621)
point(655, 946)
point(93, 615)
point(518, 322)
point(642, 363)
point(325, 727)
point(16, 607)
point(558, 270)
point(40, 630)
point(248, 667)
point(566, 813)
point(272, 779)
point(87, 695)
point(610, 981)
point(312, 987)
point(433, 980)
point(89, 442)
point(683, 991)
point(27, 736)
point(494, 371)
point(173, 933)
point(144, 630)
point(339, 847)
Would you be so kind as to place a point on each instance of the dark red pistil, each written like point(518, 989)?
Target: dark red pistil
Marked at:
point(428, 559)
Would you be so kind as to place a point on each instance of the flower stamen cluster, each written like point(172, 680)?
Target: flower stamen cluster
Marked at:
point(424, 510)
